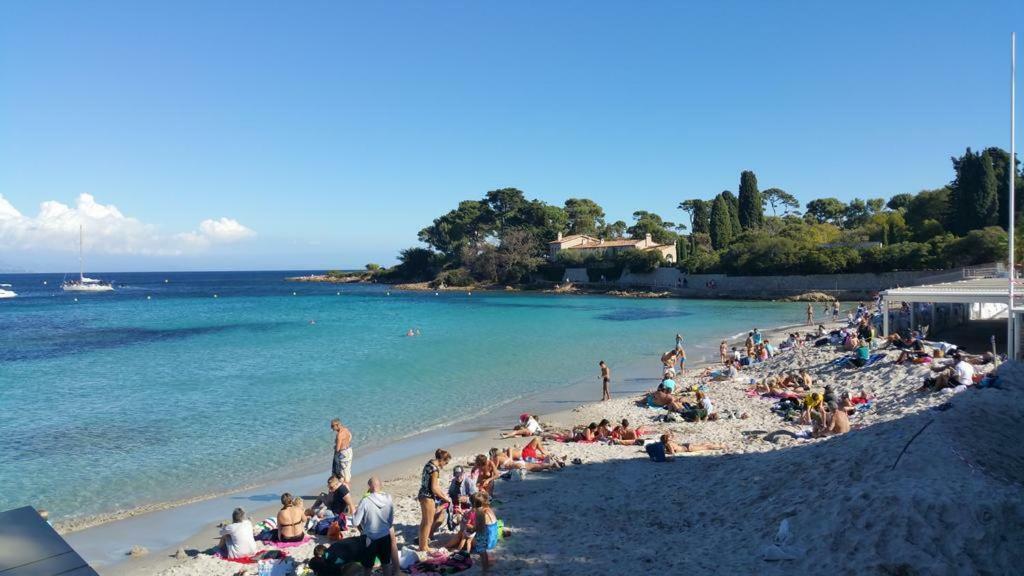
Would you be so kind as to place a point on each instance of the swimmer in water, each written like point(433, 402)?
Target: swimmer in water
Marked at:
point(410, 333)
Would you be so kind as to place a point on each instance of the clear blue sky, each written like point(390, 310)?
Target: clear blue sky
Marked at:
point(336, 131)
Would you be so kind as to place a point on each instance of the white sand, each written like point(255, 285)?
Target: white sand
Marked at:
point(952, 505)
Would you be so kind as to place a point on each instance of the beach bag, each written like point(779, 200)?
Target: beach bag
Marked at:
point(334, 532)
point(655, 451)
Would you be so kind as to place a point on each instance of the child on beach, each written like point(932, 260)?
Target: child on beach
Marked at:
point(485, 530)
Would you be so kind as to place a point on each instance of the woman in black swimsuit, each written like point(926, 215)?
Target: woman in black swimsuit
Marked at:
point(290, 520)
point(430, 495)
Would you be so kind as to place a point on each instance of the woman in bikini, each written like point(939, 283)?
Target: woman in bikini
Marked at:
point(290, 520)
point(673, 448)
point(485, 471)
point(623, 435)
point(430, 495)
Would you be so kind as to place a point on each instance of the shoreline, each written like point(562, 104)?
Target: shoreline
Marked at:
point(165, 527)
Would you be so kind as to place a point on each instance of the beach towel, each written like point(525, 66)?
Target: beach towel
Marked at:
point(864, 407)
point(874, 358)
point(279, 545)
point(453, 564)
point(270, 554)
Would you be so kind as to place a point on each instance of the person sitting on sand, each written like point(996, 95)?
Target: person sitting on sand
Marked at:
point(586, 433)
point(461, 488)
point(862, 354)
point(705, 409)
point(485, 472)
point(528, 426)
point(604, 429)
point(291, 520)
point(672, 448)
point(835, 422)
point(963, 371)
point(335, 502)
point(663, 399)
point(237, 539)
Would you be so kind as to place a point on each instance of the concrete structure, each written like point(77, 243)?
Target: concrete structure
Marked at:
point(980, 297)
point(591, 246)
point(31, 547)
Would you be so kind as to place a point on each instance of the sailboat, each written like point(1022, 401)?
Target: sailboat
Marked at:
point(84, 284)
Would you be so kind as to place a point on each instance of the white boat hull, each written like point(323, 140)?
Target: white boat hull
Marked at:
point(7, 293)
point(88, 288)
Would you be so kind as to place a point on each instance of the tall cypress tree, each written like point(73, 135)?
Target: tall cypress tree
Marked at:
point(721, 223)
point(734, 210)
point(751, 209)
point(973, 196)
point(701, 216)
point(987, 201)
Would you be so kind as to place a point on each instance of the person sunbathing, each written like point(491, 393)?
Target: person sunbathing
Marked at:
point(808, 381)
point(586, 434)
point(672, 448)
point(624, 435)
point(529, 459)
point(528, 426)
point(604, 430)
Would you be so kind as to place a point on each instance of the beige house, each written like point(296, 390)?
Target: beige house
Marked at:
point(589, 245)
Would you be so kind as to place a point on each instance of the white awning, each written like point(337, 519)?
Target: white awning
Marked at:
point(983, 290)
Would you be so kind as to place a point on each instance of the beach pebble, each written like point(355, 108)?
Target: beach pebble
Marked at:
point(138, 551)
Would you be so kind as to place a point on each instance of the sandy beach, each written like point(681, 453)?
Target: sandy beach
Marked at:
point(944, 508)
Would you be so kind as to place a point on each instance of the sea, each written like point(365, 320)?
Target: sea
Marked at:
point(179, 384)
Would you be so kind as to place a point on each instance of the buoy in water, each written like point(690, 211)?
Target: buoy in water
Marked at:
point(166, 280)
point(435, 293)
point(294, 294)
point(76, 299)
point(339, 294)
point(214, 295)
point(44, 282)
point(149, 297)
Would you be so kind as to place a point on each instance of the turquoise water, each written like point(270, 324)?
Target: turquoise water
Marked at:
point(160, 391)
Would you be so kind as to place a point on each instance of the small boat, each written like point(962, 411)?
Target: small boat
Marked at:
point(83, 283)
point(7, 293)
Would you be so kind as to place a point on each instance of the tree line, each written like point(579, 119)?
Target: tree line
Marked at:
point(503, 237)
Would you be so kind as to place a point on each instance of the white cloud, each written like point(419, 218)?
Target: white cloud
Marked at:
point(108, 230)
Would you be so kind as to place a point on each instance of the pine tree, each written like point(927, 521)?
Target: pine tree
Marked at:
point(751, 208)
point(973, 196)
point(734, 210)
point(987, 201)
point(721, 223)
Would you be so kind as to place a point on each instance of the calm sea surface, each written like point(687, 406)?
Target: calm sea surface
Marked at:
point(160, 391)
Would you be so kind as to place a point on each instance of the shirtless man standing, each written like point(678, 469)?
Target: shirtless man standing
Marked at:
point(606, 378)
point(341, 465)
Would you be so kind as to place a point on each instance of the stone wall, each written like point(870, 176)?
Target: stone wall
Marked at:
point(843, 286)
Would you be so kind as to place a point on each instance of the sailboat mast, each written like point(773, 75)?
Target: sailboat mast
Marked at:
point(81, 265)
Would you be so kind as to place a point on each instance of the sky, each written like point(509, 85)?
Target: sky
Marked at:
point(266, 135)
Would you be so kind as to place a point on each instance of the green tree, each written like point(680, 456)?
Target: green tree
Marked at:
point(973, 193)
point(721, 223)
point(751, 209)
point(899, 201)
point(779, 198)
point(616, 229)
point(734, 210)
point(467, 223)
point(584, 216)
point(1001, 167)
point(418, 264)
point(506, 205)
point(927, 213)
point(823, 210)
point(650, 223)
point(700, 214)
